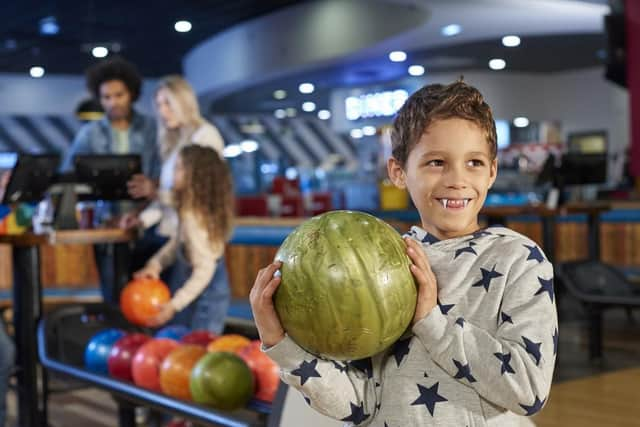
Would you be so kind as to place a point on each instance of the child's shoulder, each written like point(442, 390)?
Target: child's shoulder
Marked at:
point(505, 238)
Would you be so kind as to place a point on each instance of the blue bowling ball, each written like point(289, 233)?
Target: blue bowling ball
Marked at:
point(97, 351)
point(174, 332)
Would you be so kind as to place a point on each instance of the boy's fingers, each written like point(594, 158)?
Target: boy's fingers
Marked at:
point(271, 288)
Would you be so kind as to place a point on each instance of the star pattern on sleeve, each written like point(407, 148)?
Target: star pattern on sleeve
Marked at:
point(504, 317)
point(429, 397)
point(533, 348)
point(487, 277)
point(534, 253)
point(466, 249)
point(444, 308)
point(306, 371)
point(460, 322)
point(363, 365)
point(537, 405)
point(401, 350)
point(464, 371)
point(505, 359)
point(545, 286)
point(357, 414)
point(339, 367)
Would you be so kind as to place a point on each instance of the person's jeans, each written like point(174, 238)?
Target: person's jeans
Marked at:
point(7, 356)
point(209, 309)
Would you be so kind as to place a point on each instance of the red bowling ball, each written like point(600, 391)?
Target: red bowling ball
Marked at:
point(265, 371)
point(199, 337)
point(145, 367)
point(122, 353)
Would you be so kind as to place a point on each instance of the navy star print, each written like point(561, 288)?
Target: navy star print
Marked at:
point(505, 359)
point(430, 239)
point(533, 348)
point(401, 349)
point(534, 253)
point(429, 397)
point(506, 318)
point(545, 286)
point(464, 371)
point(460, 322)
point(480, 233)
point(468, 249)
point(363, 365)
point(555, 342)
point(306, 370)
point(339, 367)
point(487, 277)
point(537, 405)
point(444, 308)
point(357, 414)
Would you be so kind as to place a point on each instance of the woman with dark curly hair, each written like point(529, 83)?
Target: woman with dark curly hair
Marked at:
point(204, 201)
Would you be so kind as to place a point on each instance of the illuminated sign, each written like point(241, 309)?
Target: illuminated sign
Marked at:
point(378, 104)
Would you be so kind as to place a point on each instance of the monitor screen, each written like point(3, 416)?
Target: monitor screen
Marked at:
point(107, 174)
point(581, 168)
point(30, 177)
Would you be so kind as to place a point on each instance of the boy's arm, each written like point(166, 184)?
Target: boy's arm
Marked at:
point(345, 391)
point(513, 368)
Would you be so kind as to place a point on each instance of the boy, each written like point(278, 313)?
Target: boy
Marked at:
point(482, 346)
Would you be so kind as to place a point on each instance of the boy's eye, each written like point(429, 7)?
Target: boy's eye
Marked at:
point(475, 162)
point(435, 162)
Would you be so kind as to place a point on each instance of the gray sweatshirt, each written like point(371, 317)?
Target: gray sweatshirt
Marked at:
point(483, 357)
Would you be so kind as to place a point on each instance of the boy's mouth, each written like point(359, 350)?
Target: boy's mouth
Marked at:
point(454, 203)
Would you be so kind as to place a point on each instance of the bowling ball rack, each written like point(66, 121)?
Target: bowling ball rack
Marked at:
point(63, 334)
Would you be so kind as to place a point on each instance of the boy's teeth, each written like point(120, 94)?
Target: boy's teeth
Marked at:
point(466, 202)
point(454, 203)
point(444, 202)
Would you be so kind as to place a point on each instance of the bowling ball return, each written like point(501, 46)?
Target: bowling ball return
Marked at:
point(64, 333)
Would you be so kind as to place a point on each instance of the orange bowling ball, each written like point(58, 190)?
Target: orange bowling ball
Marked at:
point(231, 343)
point(141, 299)
point(175, 371)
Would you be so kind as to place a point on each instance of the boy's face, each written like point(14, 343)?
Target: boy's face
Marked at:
point(448, 174)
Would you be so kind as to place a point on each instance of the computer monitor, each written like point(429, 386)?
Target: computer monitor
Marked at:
point(583, 169)
point(30, 178)
point(106, 174)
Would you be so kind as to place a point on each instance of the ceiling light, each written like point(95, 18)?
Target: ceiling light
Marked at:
point(308, 106)
point(280, 94)
point(451, 30)
point(99, 51)
point(356, 133)
point(249, 146)
point(291, 173)
point(280, 113)
point(397, 56)
point(291, 112)
point(49, 26)
point(306, 88)
point(369, 130)
point(232, 150)
point(182, 26)
point(521, 122)
point(36, 72)
point(511, 41)
point(416, 70)
point(497, 64)
point(324, 114)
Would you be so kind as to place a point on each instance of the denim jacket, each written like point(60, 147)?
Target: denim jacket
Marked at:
point(96, 138)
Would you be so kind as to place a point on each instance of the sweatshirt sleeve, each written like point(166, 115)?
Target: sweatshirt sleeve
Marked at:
point(167, 253)
point(512, 367)
point(203, 258)
point(345, 391)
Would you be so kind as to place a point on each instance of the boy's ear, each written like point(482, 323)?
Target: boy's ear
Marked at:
point(396, 173)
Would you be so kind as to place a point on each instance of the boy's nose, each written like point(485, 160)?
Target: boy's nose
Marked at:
point(455, 178)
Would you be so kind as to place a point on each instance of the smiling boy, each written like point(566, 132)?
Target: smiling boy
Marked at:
point(482, 347)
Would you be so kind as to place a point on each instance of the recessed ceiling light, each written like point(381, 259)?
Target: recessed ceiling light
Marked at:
point(308, 106)
point(36, 72)
point(497, 64)
point(249, 146)
point(280, 94)
point(291, 112)
point(356, 133)
point(182, 26)
point(369, 130)
point(99, 51)
point(232, 150)
point(511, 41)
point(49, 26)
point(306, 88)
point(324, 114)
point(397, 56)
point(521, 122)
point(280, 113)
point(416, 70)
point(451, 30)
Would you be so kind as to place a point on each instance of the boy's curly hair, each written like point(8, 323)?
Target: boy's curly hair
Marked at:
point(115, 68)
point(208, 191)
point(439, 102)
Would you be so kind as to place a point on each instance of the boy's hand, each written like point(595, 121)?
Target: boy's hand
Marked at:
point(264, 312)
point(427, 285)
